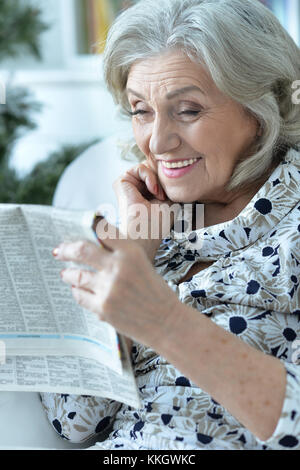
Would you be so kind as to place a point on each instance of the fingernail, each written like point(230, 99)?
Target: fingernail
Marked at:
point(156, 189)
point(97, 218)
point(98, 215)
point(55, 252)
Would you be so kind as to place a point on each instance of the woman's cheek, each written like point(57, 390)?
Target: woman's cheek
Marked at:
point(141, 138)
point(153, 163)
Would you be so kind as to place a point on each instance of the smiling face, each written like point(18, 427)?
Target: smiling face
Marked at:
point(180, 115)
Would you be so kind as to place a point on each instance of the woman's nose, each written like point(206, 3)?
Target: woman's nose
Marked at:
point(164, 138)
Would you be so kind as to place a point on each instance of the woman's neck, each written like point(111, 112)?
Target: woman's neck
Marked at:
point(217, 212)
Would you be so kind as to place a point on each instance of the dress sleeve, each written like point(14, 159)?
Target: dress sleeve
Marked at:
point(287, 433)
point(77, 418)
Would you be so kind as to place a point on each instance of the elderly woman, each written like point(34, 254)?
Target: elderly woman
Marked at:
point(208, 85)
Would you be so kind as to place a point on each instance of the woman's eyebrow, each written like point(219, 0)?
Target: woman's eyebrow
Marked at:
point(186, 89)
point(172, 94)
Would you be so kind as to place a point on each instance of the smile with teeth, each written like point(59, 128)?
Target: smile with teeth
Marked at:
point(181, 164)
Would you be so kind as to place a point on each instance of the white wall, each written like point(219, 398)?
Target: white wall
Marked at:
point(76, 108)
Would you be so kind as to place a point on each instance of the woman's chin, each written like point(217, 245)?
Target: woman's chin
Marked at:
point(180, 199)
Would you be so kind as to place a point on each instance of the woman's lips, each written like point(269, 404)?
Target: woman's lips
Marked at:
point(178, 172)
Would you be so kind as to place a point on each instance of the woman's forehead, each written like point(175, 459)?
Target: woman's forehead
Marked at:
point(168, 71)
point(167, 64)
point(165, 74)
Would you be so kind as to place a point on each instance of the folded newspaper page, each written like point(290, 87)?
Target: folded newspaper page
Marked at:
point(51, 343)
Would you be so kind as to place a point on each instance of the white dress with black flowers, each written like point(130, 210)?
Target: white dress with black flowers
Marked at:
point(252, 290)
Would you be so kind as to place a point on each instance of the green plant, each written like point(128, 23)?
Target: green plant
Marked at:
point(20, 29)
point(15, 119)
point(21, 25)
point(38, 187)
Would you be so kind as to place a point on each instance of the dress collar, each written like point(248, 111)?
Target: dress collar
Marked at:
point(274, 200)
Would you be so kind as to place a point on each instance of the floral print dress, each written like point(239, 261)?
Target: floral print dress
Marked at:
point(252, 290)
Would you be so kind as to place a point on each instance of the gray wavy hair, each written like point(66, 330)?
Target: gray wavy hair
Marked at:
point(249, 55)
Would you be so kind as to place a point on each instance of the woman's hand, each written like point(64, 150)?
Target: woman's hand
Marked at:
point(140, 186)
point(124, 290)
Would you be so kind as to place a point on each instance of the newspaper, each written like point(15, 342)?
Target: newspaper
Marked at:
point(51, 343)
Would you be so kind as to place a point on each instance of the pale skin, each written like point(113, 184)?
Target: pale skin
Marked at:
point(173, 126)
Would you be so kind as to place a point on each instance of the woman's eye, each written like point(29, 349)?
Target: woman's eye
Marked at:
point(189, 112)
point(139, 111)
point(185, 112)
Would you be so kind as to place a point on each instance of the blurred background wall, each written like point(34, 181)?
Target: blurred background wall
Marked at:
point(66, 80)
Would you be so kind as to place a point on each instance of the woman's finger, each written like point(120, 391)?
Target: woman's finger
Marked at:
point(83, 252)
point(111, 237)
point(153, 167)
point(144, 173)
point(80, 278)
point(135, 189)
point(87, 300)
